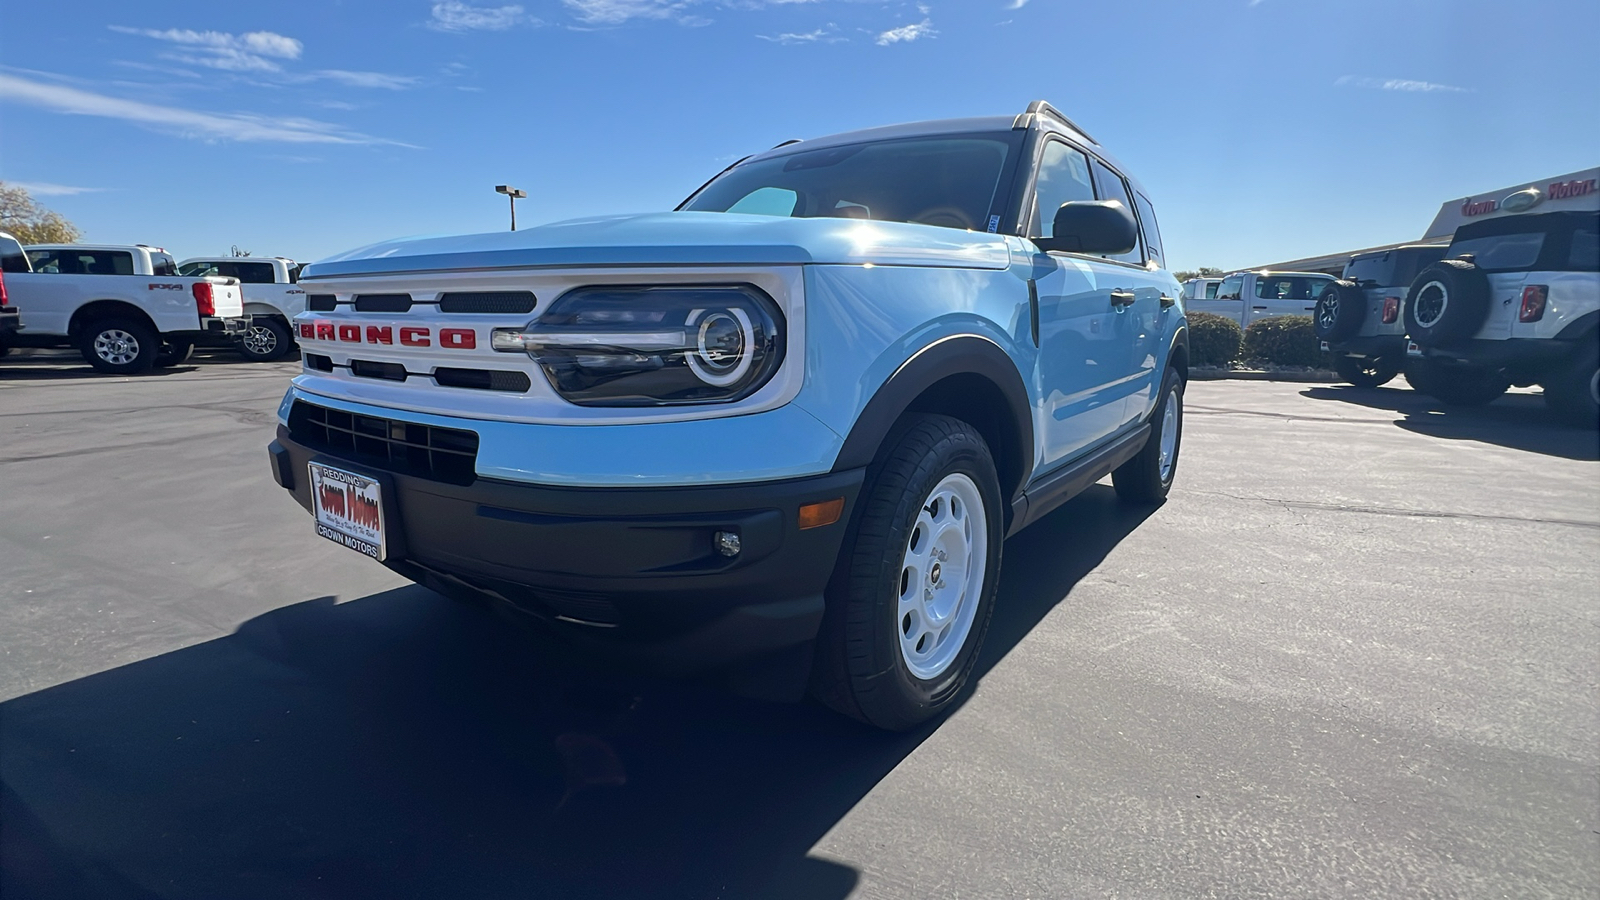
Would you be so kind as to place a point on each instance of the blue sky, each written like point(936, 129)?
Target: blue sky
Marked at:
point(1263, 130)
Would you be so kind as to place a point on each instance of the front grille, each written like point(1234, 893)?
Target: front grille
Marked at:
point(388, 303)
point(362, 368)
point(488, 302)
point(425, 451)
point(483, 379)
point(318, 361)
point(322, 302)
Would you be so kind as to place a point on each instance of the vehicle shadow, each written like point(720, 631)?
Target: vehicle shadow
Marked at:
point(58, 365)
point(1518, 421)
point(402, 745)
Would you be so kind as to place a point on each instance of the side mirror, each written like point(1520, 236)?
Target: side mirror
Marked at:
point(1092, 226)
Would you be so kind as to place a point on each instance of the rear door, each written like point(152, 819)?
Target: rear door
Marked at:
point(1285, 295)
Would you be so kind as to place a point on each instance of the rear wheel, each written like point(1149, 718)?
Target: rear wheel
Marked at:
point(912, 600)
point(1368, 372)
point(1574, 395)
point(267, 339)
point(174, 353)
point(119, 346)
point(1147, 478)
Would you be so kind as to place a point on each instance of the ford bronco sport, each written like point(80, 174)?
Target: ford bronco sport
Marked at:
point(781, 432)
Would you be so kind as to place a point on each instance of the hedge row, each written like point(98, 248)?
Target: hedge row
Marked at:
point(1281, 340)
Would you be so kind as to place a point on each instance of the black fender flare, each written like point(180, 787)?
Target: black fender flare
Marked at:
point(1580, 327)
point(1180, 341)
point(961, 354)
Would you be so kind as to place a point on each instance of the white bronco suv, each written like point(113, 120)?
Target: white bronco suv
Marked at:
point(781, 432)
point(1516, 300)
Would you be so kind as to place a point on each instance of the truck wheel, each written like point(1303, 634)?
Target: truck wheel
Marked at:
point(1448, 301)
point(1369, 372)
point(1148, 476)
point(174, 353)
point(1574, 395)
point(1456, 385)
point(1340, 309)
point(119, 346)
point(267, 340)
point(911, 600)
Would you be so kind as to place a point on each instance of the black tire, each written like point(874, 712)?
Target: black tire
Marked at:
point(268, 339)
point(174, 352)
point(1448, 301)
point(119, 345)
point(1340, 309)
point(861, 669)
point(1456, 385)
point(1368, 372)
point(1574, 395)
point(1147, 478)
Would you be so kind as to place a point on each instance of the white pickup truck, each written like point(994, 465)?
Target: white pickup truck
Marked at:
point(272, 297)
point(125, 308)
point(1247, 296)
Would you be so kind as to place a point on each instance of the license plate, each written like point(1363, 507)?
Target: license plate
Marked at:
point(349, 509)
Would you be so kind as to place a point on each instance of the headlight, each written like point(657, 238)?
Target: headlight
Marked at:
point(654, 346)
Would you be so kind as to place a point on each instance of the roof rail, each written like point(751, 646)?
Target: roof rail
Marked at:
point(1042, 108)
point(786, 143)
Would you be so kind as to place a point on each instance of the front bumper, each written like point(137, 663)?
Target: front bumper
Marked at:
point(632, 572)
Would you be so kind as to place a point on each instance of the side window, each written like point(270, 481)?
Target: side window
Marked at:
point(254, 272)
point(1063, 177)
point(1211, 289)
point(162, 264)
point(1112, 187)
point(1585, 254)
point(1152, 234)
point(98, 262)
point(1230, 287)
point(45, 260)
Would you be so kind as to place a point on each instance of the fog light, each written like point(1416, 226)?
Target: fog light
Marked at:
point(727, 542)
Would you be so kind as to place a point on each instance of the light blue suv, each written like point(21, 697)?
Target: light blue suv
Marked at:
point(781, 432)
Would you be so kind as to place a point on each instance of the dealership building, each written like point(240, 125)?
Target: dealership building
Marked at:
point(1574, 191)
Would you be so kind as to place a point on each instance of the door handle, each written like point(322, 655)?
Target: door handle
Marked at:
point(1258, 307)
point(1168, 302)
point(1121, 298)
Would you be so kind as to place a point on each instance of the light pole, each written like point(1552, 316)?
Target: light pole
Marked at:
point(515, 194)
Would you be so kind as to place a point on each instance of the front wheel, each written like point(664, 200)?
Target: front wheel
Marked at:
point(911, 602)
point(1147, 478)
point(1369, 372)
point(268, 339)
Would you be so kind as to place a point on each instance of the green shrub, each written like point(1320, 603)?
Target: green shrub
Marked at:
point(1285, 341)
point(1213, 340)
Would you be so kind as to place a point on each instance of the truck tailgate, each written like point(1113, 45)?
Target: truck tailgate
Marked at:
point(227, 296)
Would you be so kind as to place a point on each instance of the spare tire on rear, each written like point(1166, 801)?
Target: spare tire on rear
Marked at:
point(1448, 301)
point(1340, 308)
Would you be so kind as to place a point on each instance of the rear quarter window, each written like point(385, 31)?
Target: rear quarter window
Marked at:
point(1501, 252)
point(1152, 234)
point(1585, 253)
point(12, 257)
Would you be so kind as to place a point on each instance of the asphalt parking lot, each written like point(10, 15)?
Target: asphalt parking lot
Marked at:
point(1355, 655)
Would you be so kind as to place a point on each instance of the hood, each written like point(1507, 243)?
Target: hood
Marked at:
point(678, 238)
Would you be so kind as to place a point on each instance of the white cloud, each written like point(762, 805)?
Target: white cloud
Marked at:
point(907, 33)
point(366, 79)
point(255, 51)
point(455, 16)
point(46, 189)
point(1400, 84)
point(1018, 4)
point(183, 122)
point(616, 12)
point(827, 35)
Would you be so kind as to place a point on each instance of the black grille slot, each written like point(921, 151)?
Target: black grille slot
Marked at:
point(319, 362)
point(390, 303)
point(483, 379)
point(426, 451)
point(322, 302)
point(367, 369)
point(488, 302)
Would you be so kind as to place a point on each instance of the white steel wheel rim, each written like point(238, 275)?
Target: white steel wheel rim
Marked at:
point(941, 579)
point(116, 346)
point(1434, 298)
point(260, 340)
point(1169, 435)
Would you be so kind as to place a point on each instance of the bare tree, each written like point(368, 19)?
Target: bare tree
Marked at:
point(238, 252)
point(31, 223)
point(1202, 272)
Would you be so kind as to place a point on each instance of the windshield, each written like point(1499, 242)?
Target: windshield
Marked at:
point(947, 181)
point(1290, 287)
